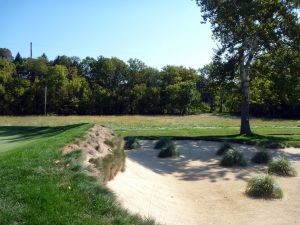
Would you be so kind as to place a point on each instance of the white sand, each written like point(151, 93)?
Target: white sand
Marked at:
point(194, 189)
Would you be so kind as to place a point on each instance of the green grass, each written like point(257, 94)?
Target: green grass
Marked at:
point(267, 132)
point(263, 186)
point(281, 166)
point(223, 149)
point(37, 189)
point(169, 150)
point(262, 156)
point(233, 158)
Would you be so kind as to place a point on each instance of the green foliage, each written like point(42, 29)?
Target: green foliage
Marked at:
point(112, 86)
point(263, 186)
point(162, 142)
point(281, 166)
point(168, 151)
point(131, 143)
point(5, 54)
point(233, 158)
point(223, 149)
point(261, 156)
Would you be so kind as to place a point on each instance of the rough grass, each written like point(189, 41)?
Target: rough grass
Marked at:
point(115, 162)
point(223, 149)
point(281, 166)
point(263, 186)
point(163, 142)
point(131, 143)
point(233, 158)
point(268, 132)
point(38, 188)
point(262, 156)
point(168, 151)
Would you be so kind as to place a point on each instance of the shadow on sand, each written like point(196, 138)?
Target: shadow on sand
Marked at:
point(198, 161)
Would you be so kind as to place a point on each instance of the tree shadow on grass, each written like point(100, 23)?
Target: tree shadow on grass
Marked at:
point(22, 133)
point(199, 161)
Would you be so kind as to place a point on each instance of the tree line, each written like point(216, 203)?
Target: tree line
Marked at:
point(104, 86)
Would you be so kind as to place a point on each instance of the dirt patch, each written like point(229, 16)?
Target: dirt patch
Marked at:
point(195, 190)
point(102, 153)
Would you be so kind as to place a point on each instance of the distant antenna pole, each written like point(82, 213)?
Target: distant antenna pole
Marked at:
point(30, 49)
point(45, 109)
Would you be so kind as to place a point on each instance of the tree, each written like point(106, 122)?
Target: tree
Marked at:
point(245, 30)
point(5, 54)
point(18, 58)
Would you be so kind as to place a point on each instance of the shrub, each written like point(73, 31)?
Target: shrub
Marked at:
point(281, 166)
point(261, 156)
point(263, 186)
point(131, 143)
point(169, 151)
point(233, 158)
point(162, 142)
point(223, 149)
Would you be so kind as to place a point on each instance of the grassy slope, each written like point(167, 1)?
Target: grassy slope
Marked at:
point(205, 126)
point(36, 190)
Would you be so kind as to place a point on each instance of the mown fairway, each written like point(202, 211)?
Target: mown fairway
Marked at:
point(205, 126)
point(36, 187)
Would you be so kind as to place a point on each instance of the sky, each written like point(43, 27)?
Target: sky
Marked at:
point(158, 32)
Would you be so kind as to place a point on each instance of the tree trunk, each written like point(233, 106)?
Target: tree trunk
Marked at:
point(221, 103)
point(245, 125)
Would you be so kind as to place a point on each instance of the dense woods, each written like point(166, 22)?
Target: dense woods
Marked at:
point(112, 86)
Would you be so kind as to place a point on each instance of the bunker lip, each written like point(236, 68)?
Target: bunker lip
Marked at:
point(94, 148)
point(194, 189)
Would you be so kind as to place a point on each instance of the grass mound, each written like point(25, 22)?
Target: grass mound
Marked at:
point(169, 151)
point(261, 156)
point(131, 143)
point(282, 167)
point(162, 143)
point(223, 149)
point(263, 186)
point(233, 158)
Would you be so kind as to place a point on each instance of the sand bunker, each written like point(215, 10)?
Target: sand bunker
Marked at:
point(194, 189)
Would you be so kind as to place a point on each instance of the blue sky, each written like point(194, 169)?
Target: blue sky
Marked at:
point(158, 32)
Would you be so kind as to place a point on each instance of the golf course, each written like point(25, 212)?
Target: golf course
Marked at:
point(174, 112)
point(37, 186)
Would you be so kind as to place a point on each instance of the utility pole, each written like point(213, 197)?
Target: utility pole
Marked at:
point(31, 50)
point(45, 109)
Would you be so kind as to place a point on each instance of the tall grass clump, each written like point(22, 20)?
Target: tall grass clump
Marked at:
point(233, 158)
point(114, 162)
point(162, 143)
point(263, 186)
point(168, 151)
point(223, 149)
point(281, 166)
point(261, 156)
point(131, 143)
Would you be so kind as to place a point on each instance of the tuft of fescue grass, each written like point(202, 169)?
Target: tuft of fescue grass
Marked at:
point(162, 143)
point(113, 163)
point(261, 156)
point(281, 166)
point(131, 143)
point(168, 151)
point(223, 149)
point(233, 158)
point(263, 186)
